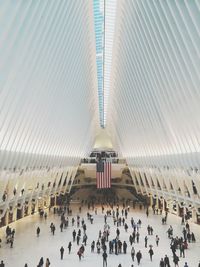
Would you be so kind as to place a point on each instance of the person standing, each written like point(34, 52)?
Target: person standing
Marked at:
point(139, 256)
point(162, 263)
point(166, 260)
point(124, 247)
point(2, 264)
point(182, 250)
point(104, 258)
point(61, 252)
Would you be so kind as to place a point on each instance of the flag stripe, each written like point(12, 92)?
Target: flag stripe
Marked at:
point(103, 174)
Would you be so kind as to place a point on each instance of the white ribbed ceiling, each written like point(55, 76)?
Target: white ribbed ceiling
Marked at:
point(154, 107)
point(48, 81)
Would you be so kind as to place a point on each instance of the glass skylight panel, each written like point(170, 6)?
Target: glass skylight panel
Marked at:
point(104, 20)
point(98, 6)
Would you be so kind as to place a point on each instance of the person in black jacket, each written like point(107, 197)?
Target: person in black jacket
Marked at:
point(166, 260)
point(70, 246)
point(151, 253)
point(41, 262)
point(139, 256)
point(162, 263)
point(61, 252)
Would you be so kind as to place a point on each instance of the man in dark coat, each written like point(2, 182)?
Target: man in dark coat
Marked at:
point(139, 256)
point(166, 260)
point(61, 252)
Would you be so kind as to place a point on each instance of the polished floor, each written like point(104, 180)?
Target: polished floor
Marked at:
point(28, 248)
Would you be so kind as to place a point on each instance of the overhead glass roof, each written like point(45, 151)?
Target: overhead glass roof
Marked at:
point(104, 20)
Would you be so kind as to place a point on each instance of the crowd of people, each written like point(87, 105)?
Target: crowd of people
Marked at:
point(113, 217)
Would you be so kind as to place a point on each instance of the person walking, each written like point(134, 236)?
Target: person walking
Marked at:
point(53, 229)
point(38, 231)
point(157, 240)
point(74, 235)
point(69, 247)
point(92, 246)
point(41, 262)
point(79, 253)
point(139, 257)
point(78, 239)
point(145, 241)
point(85, 239)
point(151, 253)
point(137, 237)
point(47, 264)
point(82, 249)
point(176, 260)
point(61, 252)
point(132, 253)
point(104, 255)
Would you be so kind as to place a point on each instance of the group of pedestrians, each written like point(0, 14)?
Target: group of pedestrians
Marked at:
point(108, 246)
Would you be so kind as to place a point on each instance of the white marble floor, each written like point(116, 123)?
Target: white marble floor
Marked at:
point(28, 248)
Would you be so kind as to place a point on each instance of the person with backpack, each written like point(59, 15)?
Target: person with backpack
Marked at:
point(176, 260)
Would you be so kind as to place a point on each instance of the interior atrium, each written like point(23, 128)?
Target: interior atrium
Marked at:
point(89, 80)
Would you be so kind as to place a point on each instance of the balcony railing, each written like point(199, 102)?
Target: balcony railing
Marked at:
point(112, 160)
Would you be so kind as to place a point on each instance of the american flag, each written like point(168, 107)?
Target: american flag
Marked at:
point(103, 174)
